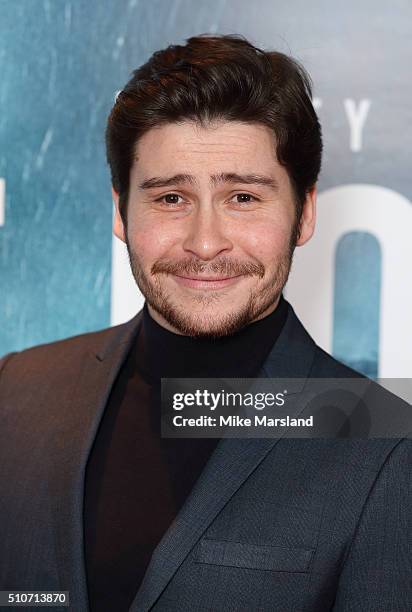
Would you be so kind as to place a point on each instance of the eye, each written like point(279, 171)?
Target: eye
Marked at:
point(244, 198)
point(170, 200)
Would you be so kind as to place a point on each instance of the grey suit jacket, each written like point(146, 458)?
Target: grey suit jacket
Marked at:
point(271, 524)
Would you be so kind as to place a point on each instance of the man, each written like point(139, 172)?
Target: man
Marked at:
point(215, 150)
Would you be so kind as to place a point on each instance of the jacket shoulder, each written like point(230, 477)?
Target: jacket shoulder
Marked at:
point(326, 366)
point(72, 343)
point(44, 357)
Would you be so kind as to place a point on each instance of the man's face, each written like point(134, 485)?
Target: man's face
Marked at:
point(210, 203)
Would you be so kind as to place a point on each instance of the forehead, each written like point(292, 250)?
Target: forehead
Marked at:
point(231, 146)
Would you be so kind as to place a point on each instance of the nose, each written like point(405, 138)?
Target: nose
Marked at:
point(206, 236)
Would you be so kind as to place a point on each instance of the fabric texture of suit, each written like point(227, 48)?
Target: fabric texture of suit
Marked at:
point(271, 524)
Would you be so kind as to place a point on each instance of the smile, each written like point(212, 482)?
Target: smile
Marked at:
point(207, 282)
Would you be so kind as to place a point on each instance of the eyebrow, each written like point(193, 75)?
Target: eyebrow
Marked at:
point(215, 179)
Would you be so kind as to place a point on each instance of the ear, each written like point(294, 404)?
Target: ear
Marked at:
point(118, 227)
point(308, 217)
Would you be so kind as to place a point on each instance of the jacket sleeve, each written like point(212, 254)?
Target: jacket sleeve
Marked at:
point(377, 572)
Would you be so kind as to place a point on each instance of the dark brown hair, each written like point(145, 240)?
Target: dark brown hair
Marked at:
point(219, 77)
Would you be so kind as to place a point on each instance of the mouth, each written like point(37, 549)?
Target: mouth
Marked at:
point(207, 282)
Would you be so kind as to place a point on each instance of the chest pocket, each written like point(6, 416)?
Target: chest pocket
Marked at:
point(253, 556)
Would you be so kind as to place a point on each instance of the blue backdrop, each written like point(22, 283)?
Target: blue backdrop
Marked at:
point(61, 64)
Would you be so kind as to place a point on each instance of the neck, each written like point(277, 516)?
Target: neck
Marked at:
point(162, 353)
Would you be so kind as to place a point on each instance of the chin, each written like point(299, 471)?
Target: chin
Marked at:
point(207, 322)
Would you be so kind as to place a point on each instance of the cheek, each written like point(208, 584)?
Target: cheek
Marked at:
point(265, 241)
point(152, 238)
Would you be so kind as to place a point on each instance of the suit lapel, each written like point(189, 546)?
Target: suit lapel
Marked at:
point(79, 415)
point(227, 469)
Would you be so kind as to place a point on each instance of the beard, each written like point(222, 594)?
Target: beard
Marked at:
point(197, 323)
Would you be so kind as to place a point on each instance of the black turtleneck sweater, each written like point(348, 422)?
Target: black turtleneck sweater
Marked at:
point(136, 481)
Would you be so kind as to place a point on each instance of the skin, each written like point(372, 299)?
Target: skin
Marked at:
point(209, 228)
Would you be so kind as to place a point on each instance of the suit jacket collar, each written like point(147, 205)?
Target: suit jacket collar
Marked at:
point(119, 336)
point(291, 355)
point(230, 464)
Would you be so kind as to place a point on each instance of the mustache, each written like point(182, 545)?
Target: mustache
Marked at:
point(222, 267)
